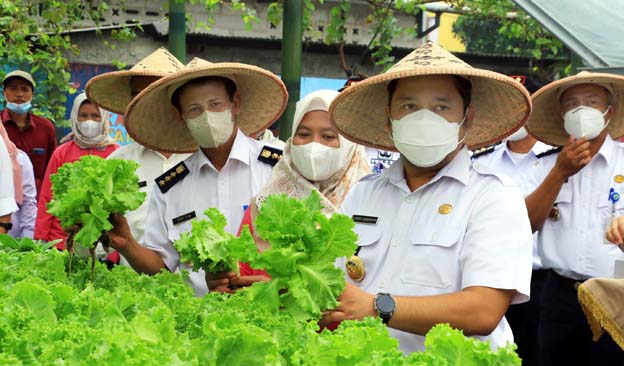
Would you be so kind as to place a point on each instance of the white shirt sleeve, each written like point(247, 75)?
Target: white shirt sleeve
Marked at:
point(28, 211)
point(7, 193)
point(497, 248)
point(156, 236)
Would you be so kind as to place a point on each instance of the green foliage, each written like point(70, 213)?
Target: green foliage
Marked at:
point(8, 242)
point(209, 247)
point(122, 318)
point(33, 37)
point(501, 27)
point(87, 191)
point(304, 246)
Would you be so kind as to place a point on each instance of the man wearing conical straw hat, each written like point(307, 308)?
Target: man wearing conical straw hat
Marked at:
point(441, 240)
point(209, 108)
point(114, 91)
point(578, 193)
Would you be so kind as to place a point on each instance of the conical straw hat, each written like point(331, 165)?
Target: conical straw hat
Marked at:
point(112, 90)
point(501, 104)
point(150, 119)
point(546, 122)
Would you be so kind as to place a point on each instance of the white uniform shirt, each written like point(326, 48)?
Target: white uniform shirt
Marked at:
point(152, 164)
point(24, 218)
point(229, 190)
point(417, 248)
point(7, 193)
point(502, 160)
point(574, 245)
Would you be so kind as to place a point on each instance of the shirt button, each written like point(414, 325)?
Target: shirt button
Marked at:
point(434, 237)
point(395, 243)
point(410, 199)
point(380, 285)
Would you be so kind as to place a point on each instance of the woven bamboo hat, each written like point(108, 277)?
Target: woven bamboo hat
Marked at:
point(546, 122)
point(112, 90)
point(502, 104)
point(150, 119)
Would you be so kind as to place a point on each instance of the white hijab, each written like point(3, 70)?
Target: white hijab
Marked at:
point(285, 177)
point(82, 141)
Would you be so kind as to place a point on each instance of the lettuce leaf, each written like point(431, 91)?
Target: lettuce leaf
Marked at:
point(87, 191)
point(209, 247)
point(304, 246)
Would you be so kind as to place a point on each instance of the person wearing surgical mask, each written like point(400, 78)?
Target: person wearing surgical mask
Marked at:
point(316, 157)
point(440, 239)
point(577, 196)
point(212, 110)
point(89, 136)
point(33, 134)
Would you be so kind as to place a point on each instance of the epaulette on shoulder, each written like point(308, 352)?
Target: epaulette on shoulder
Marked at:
point(554, 150)
point(172, 176)
point(270, 155)
point(483, 151)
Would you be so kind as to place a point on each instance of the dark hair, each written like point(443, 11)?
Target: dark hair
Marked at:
point(230, 87)
point(463, 86)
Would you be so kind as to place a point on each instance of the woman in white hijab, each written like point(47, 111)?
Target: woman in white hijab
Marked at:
point(316, 157)
point(89, 136)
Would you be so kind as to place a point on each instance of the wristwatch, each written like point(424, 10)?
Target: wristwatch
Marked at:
point(384, 306)
point(7, 225)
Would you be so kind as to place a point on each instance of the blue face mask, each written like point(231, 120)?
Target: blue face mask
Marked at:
point(22, 108)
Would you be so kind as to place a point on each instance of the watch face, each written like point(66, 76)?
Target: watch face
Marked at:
point(385, 304)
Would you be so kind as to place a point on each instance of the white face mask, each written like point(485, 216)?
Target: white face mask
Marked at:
point(584, 122)
point(425, 138)
point(518, 135)
point(317, 162)
point(211, 129)
point(90, 128)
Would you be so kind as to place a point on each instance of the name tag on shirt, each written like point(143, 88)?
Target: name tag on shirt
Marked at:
point(361, 219)
point(38, 150)
point(142, 184)
point(185, 217)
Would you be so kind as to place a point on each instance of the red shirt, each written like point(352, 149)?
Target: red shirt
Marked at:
point(38, 141)
point(48, 227)
point(244, 268)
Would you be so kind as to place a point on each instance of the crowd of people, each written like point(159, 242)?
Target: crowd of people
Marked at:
point(475, 203)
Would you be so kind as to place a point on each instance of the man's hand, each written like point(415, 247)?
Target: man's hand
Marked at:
point(121, 235)
point(355, 303)
point(230, 282)
point(615, 232)
point(219, 282)
point(573, 157)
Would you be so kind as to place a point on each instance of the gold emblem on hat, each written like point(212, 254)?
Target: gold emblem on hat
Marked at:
point(619, 178)
point(445, 209)
point(355, 268)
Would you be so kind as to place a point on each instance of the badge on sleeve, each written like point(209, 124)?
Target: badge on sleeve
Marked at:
point(355, 267)
point(270, 155)
point(171, 177)
point(618, 178)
